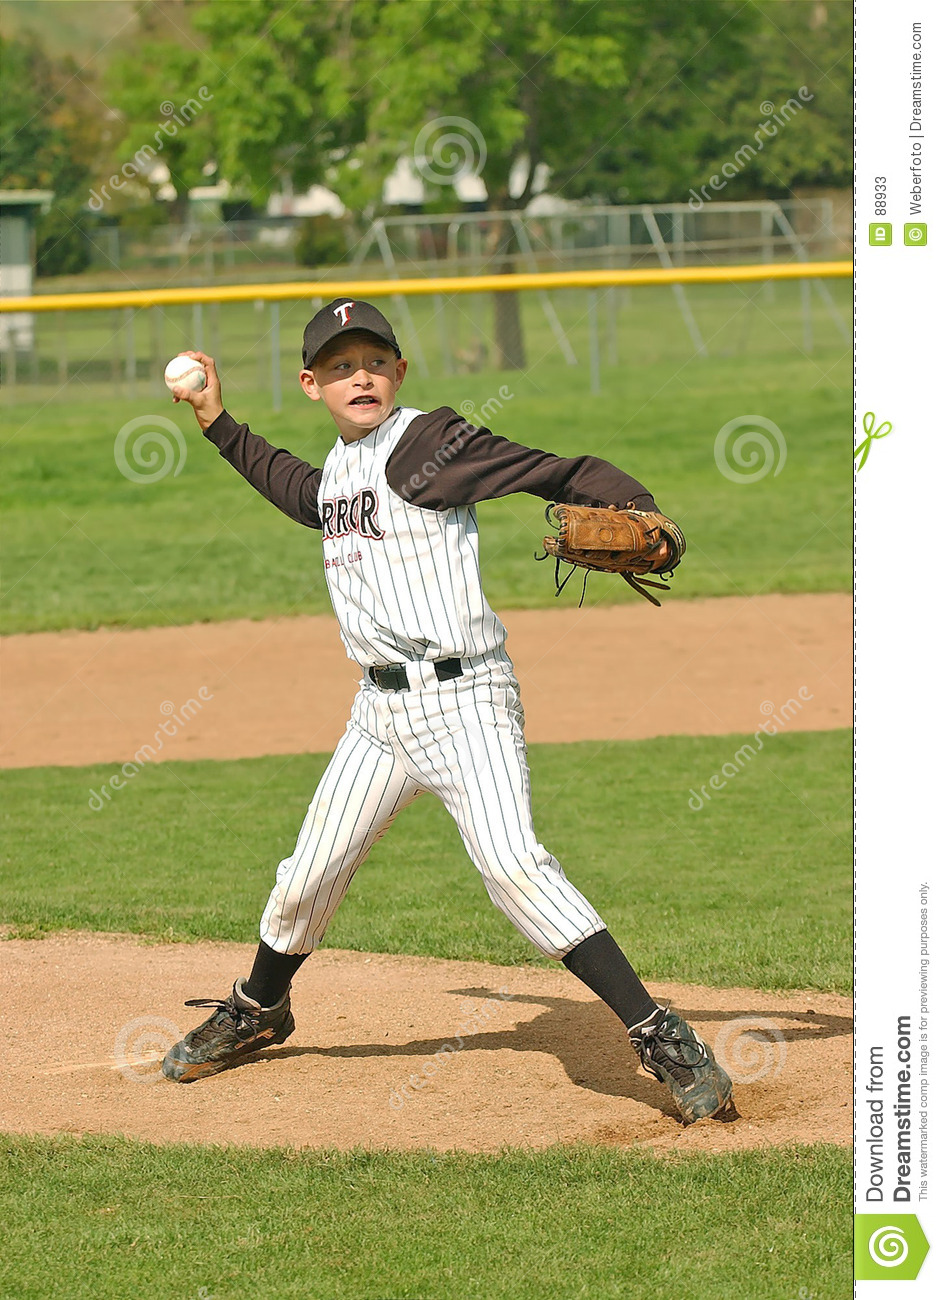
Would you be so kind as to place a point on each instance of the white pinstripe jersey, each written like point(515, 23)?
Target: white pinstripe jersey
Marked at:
point(404, 580)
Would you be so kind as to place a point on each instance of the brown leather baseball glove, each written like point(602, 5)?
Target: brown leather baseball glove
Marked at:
point(628, 542)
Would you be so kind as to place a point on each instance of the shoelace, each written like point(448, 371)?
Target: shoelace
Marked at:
point(680, 1070)
point(240, 1018)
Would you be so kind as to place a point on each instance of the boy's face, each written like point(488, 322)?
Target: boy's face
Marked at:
point(357, 378)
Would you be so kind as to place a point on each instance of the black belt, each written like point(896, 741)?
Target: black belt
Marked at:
point(392, 677)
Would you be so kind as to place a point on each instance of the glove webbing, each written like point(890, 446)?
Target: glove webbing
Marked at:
point(635, 582)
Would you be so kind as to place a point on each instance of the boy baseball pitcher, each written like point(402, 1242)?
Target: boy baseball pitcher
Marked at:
point(438, 708)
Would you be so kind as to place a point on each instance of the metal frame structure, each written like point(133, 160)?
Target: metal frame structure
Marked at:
point(124, 302)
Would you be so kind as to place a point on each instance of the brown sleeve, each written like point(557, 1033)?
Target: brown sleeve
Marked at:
point(289, 483)
point(443, 461)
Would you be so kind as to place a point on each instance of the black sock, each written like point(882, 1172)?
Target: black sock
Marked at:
point(603, 967)
point(271, 975)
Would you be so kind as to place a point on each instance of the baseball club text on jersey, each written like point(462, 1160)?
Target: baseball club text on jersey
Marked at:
point(341, 516)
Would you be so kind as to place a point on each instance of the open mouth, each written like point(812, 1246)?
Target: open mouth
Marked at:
point(363, 401)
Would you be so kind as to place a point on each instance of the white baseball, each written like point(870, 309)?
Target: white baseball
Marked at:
point(184, 372)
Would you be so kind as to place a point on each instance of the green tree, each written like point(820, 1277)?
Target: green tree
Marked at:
point(803, 44)
point(681, 127)
point(265, 60)
point(62, 247)
point(158, 86)
point(257, 62)
point(342, 89)
point(624, 100)
point(52, 134)
point(52, 140)
point(536, 81)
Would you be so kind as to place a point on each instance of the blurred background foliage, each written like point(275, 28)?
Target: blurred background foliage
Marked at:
point(625, 101)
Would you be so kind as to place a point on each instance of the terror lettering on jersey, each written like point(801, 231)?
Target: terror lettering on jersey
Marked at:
point(341, 516)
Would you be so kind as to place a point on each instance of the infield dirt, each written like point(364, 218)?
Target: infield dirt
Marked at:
point(623, 672)
point(535, 1058)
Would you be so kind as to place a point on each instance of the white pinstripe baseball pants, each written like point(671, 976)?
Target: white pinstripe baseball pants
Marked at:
point(463, 741)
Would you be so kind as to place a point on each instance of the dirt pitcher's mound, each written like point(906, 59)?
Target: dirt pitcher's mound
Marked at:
point(398, 1052)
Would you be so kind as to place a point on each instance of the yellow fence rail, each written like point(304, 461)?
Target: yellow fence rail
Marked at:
point(453, 284)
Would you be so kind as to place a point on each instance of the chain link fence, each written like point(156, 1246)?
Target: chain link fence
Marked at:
point(467, 243)
point(121, 352)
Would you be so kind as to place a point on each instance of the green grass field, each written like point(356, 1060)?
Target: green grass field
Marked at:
point(571, 1221)
point(188, 850)
point(754, 889)
point(86, 546)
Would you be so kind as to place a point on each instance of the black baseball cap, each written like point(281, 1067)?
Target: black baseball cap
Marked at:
point(340, 317)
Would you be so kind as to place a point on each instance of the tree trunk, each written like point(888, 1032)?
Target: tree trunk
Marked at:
point(508, 330)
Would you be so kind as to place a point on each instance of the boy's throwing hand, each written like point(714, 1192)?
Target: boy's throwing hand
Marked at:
point(208, 402)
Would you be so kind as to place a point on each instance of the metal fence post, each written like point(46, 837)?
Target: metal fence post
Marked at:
point(62, 347)
point(115, 360)
point(157, 361)
point(658, 243)
point(197, 318)
point(130, 360)
point(805, 298)
point(593, 343)
point(612, 325)
point(214, 329)
point(258, 307)
point(441, 308)
point(276, 360)
point(766, 230)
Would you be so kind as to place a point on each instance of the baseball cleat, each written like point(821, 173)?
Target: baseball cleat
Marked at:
point(238, 1028)
point(670, 1050)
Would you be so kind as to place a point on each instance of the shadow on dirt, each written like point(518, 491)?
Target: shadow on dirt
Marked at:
point(586, 1038)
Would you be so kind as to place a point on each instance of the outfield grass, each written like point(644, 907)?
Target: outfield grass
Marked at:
point(752, 890)
point(85, 546)
point(568, 1222)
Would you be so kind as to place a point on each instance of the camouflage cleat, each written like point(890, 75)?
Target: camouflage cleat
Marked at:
point(237, 1029)
point(670, 1050)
